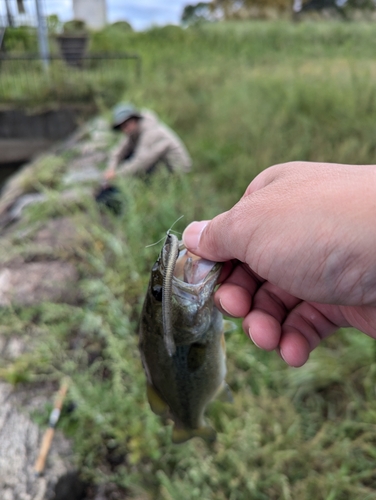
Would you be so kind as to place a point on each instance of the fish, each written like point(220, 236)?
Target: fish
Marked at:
point(181, 340)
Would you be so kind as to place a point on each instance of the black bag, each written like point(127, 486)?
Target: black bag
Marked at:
point(110, 197)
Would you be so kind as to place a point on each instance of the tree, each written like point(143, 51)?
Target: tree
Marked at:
point(234, 9)
point(199, 12)
point(319, 4)
point(53, 24)
point(360, 4)
point(341, 6)
point(230, 9)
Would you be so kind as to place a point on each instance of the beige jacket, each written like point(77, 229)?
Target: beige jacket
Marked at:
point(155, 142)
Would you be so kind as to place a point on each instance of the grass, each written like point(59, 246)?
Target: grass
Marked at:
point(243, 96)
point(99, 81)
point(100, 78)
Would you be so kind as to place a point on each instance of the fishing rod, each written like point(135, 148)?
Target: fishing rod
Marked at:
point(49, 433)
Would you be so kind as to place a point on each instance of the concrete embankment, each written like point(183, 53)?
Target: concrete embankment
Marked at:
point(39, 261)
point(27, 133)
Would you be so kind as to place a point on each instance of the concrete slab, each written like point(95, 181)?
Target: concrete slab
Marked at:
point(22, 150)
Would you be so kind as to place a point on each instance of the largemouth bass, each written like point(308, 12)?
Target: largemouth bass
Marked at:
point(182, 340)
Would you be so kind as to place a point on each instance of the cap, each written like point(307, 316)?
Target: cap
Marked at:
point(123, 112)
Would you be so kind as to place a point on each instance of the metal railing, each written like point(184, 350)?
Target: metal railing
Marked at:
point(2, 34)
point(23, 77)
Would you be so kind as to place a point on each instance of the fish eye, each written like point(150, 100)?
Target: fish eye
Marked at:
point(157, 292)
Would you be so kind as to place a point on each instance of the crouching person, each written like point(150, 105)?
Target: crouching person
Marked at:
point(148, 143)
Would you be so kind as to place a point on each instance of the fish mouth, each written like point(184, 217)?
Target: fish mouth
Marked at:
point(187, 297)
point(193, 274)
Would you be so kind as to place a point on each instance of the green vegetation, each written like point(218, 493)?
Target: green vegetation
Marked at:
point(243, 96)
point(277, 9)
point(98, 80)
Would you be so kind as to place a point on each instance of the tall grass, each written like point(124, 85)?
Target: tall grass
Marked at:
point(248, 95)
point(242, 96)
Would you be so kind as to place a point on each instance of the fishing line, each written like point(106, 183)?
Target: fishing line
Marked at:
point(177, 220)
point(168, 232)
point(156, 243)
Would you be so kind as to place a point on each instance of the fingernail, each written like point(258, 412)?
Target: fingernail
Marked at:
point(281, 354)
point(192, 234)
point(224, 308)
point(250, 336)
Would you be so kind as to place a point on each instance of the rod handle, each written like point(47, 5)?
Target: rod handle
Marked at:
point(44, 449)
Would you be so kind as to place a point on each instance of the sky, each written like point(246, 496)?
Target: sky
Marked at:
point(141, 14)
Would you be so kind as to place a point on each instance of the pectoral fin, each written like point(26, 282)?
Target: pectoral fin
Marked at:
point(181, 435)
point(157, 404)
point(225, 394)
point(229, 326)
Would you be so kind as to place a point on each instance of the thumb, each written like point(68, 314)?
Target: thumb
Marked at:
point(229, 235)
point(215, 239)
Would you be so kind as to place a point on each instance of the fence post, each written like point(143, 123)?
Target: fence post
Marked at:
point(9, 13)
point(42, 36)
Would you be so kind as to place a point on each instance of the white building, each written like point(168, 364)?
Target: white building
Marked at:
point(93, 12)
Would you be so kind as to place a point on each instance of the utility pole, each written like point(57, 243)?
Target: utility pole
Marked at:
point(42, 36)
point(9, 13)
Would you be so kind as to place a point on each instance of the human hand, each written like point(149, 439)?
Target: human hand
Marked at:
point(109, 174)
point(301, 249)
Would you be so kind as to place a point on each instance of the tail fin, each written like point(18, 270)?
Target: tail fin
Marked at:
point(182, 434)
